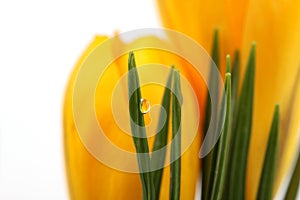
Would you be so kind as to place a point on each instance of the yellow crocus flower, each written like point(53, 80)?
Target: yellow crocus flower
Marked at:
point(87, 177)
point(275, 26)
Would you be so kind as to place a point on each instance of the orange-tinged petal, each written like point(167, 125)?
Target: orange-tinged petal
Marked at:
point(90, 179)
point(87, 177)
point(199, 18)
point(275, 26)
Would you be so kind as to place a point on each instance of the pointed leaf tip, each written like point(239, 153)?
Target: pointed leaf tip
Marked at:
point(266, 185)
point(228, 66)
point(294, 182)
point(222, 151)
point(138, 132)
point(175, 168)
point(241, 133)
point(161, 138)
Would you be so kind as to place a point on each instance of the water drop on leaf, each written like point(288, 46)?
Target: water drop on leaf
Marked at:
point(145, 106)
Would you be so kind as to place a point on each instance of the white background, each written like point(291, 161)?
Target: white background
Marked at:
point(40, 41)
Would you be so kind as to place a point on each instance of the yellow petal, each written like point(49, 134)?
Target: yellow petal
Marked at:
point(91, 179)
point(275, 26)
point(87, 177)
point(199, 18)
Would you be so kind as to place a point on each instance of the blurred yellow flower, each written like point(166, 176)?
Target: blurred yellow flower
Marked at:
point(88, 178)
point(275, 26)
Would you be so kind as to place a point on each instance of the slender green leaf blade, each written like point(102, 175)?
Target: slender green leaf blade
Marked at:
point(242, 132)
point(265, 189)
point(221, 161)
point(208, 161)
point(234, 98)
point(219, 128)
point(176, 139)
point(138, 130)
point(235, 78)
point(294, 183)
point(228, 65)
point(161, 137)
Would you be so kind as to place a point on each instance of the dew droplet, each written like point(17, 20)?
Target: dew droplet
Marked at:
point(145, 106)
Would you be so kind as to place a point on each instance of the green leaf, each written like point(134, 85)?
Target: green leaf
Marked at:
point(241, 133)
point(234, 98)
point(294, 183)
point(138, 130)
point(265, 189)
point(221, 157)
point(161, 137)
point(228, 65)
point(218, 131)
point(176, 139)
point(235, 87)
point(208, 161)
point(235, 78)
